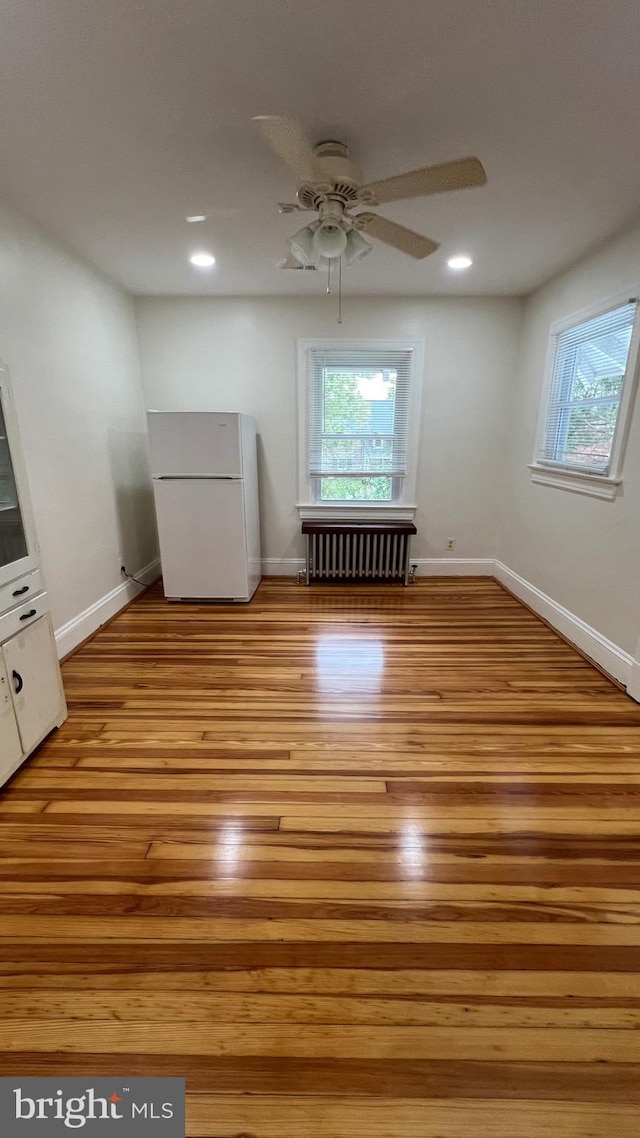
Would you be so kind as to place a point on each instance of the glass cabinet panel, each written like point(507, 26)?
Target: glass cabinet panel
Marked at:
point(13, 541)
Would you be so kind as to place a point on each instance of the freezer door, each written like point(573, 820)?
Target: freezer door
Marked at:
point(192, 443)
point(202, 538)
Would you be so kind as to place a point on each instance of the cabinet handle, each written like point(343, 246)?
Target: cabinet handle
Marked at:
point(28, 615)
point(19, 681)
point(19, 592)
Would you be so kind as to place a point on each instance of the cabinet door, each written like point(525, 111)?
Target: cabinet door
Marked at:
point(32, 666)
point(10, 746)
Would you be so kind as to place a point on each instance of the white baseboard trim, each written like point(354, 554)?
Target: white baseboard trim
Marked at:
point(633, 687)
point(69, 635)
point(603, 652)
point(454, 566)
point(282, 566)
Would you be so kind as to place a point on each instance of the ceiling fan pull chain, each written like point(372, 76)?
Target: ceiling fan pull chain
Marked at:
point(340, 290)
point(329, 278)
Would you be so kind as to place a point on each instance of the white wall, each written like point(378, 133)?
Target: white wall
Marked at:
point(240, 354)
point(583, 552)
point(69, 340)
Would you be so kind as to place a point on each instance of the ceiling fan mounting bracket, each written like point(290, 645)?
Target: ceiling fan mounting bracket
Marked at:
point(331, 148)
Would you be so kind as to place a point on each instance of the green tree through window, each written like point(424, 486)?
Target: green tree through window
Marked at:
point(352, 438)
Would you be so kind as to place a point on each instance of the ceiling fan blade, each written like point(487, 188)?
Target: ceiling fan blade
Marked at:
point(406, 240)
point(290, 142)
point(289, 263)
point(461, 174)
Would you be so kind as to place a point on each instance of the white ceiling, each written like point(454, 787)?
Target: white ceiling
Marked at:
point(119, 117)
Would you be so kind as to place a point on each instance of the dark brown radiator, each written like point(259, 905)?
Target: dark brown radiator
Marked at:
point(358, 551)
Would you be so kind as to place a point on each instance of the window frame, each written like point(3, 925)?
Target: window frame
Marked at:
point(564, 476)
point(401, 507)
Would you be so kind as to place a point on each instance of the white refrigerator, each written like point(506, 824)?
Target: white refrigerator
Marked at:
point(205, 485)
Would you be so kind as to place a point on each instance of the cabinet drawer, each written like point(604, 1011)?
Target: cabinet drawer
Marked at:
point(19, 591)
point(22, 616)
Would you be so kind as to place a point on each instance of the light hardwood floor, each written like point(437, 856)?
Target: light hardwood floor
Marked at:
point(354, 861)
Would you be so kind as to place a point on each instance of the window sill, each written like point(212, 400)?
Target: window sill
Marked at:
point(367, 511)
point(593, 485)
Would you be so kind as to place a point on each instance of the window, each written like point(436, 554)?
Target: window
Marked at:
point(357, 434)
point(587, 400)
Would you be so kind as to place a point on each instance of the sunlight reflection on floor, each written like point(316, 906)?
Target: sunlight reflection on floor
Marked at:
point(352, 663)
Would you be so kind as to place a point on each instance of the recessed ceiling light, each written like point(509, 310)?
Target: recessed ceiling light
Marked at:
point(197, 217)
point(202, 260)
point(461, 262)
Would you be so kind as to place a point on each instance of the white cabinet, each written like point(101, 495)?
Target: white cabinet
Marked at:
point(31, 695)
point(32, 699)
point(32, 666)
point(10, 745)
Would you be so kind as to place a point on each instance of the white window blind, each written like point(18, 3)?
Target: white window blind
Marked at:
point(358, 418)
point(590, 362)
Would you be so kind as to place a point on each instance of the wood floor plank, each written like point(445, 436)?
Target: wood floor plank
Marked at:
point(130, 879)
point(353, 860)
point(387, 814)
point(512, 988)
point(274, 784)
point(87, 849)
point(357, 1079)
point(278, 1117)
point(391, 929)
point(128, 956)
point(480, 822)
point(212, 1008)
point(20, 805)
point(406, 764)
point(345, 1041)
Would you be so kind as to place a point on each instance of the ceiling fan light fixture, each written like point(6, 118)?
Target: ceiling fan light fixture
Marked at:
point(302, 245)
point(461, 261)
point(330, 239)
point(357, 247)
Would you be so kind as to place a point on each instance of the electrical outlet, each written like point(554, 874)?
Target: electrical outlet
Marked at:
point(120, 563)
point(451, 543)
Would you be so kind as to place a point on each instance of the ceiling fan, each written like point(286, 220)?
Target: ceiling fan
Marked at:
point(329, 184)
